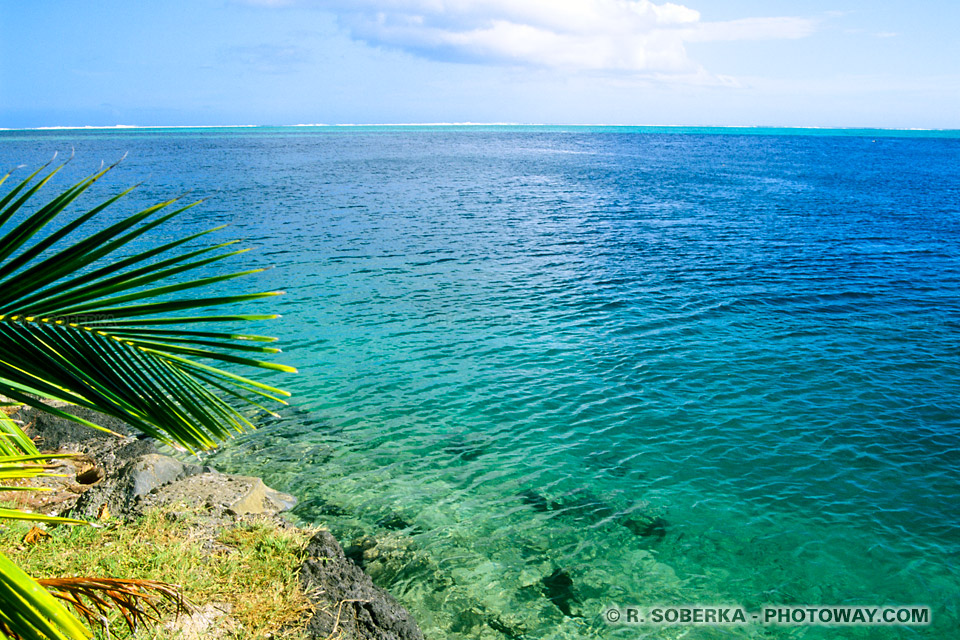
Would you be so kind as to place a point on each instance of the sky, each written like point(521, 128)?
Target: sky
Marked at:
point(814, 63)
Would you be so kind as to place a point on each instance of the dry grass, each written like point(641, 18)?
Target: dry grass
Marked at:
point(251, 567)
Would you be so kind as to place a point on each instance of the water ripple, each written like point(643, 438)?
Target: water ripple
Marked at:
point(670, 368)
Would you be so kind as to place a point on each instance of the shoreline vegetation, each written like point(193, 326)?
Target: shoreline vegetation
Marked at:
point(70, 340)
point(89, 351)
point(243, 570)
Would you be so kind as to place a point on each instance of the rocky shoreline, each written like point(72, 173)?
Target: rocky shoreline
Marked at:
point(123, 477)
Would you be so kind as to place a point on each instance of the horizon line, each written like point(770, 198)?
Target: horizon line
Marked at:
point(468, 124)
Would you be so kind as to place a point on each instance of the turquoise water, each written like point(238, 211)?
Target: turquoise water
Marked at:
point(550, 370)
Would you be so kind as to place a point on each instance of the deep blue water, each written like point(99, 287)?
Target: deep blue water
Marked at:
point(674, 365)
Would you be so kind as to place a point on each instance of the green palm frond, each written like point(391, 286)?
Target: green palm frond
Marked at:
point(13, 440)
point(86, 321)
point(27, 610)
point(24, 467)
point(83, 323)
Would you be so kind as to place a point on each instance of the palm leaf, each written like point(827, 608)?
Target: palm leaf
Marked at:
point(27, 610)
point(13, 440)
point(85, 322)
point(17, 467)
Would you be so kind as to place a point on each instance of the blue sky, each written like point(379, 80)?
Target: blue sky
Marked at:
point(698, 62)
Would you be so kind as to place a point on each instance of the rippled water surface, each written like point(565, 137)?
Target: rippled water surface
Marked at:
point(549, 370)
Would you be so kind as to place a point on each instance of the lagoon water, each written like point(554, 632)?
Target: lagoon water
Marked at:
point(549, 370)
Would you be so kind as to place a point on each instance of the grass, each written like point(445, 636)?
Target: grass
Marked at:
point(252, 566)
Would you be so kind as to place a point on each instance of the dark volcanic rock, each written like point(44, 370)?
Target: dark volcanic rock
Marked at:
point(121, 490)
point(349, 603)
point(150, 472)
point(56, 433)
point(133, 448)
point(111, 451)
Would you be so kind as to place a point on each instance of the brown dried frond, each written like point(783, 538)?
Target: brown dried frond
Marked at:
point(138, 601)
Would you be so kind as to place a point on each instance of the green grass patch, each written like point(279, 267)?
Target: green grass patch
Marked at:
point(252, 566)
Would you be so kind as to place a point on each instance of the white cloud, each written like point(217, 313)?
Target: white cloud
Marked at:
point(598, 35)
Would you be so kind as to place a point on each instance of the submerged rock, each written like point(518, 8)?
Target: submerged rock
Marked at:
point(537, 501)
point(354, 553)
point(464, 451)
point(497, 624)
point(584, 508)
point(393, 522)
point(359, 551)
point(558, 588)
point(575, 505)
point(394, 558)
point(647, 527)
point(315, 509)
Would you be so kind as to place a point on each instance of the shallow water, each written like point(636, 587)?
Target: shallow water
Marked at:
point(553, 370)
